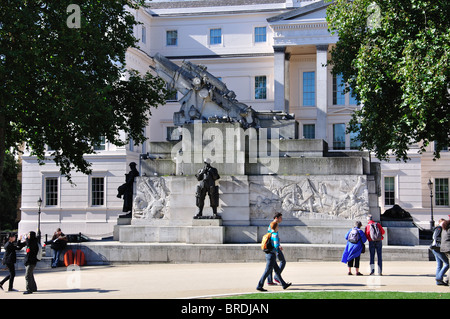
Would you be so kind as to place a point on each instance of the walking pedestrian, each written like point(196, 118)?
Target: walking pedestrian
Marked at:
point(374, 233)
point(30, 262)
point(355, 244)
point(271, 262)
point(9, 259)
point(278, 218)
point(445, 238)
point(442, 264)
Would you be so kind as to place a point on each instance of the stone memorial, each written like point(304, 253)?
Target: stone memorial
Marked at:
point(264, 168)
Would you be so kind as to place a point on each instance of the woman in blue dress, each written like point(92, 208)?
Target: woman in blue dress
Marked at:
point(355, 244)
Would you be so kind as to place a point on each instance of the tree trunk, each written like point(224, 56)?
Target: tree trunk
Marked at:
point(2, 149)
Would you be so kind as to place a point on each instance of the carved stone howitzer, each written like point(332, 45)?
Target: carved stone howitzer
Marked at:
point(205, 97)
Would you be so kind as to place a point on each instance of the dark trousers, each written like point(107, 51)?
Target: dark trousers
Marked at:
point(356, 262)
point(30, 283)
point(376, 247)
point(213, 194)
point(271, 264)
point(10, 277)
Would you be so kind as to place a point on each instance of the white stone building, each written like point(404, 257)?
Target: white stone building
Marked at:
point(271, 53)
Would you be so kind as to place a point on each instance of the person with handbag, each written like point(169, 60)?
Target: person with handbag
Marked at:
point(355, 247)
point(271, 261)
point(442, 264)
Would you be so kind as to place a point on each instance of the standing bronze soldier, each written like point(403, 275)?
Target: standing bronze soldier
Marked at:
point(126, 190)
point(207, 177)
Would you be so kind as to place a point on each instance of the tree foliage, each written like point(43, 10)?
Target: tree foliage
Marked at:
point(10, 194)
point(395, 56)
point(66, 87)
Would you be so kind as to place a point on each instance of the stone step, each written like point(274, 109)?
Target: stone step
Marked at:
point(113, 252)
point(116, 252)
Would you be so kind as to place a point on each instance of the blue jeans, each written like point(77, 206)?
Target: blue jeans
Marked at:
point(375, 246)
point(442, 264)
point(55, 259)
point(271, 264)
point(282, 264)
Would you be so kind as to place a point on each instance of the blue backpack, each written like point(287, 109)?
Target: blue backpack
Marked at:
point(354, 236)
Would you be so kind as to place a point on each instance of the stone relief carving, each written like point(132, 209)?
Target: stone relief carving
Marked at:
point(344, 199)
point(152, 199)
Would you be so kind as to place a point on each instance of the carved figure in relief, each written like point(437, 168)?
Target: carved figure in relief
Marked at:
point(333, 198)
point(152, 199)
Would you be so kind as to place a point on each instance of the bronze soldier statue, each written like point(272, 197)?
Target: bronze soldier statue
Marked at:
point(207, 177)
point(126, 190)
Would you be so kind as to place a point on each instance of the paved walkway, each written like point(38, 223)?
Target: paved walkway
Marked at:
point(170, 281)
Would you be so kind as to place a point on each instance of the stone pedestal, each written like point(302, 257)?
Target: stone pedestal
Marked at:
point(120, 222)
point(401, 233)
point(206, 231)
point(202, 231)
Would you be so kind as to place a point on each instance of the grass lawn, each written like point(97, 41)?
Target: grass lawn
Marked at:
point(344, 295)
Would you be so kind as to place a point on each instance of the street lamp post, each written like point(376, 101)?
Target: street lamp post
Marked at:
point(39, 203)
point(430, 186)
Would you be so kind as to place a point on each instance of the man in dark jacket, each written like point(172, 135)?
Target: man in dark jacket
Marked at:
point(9, 259)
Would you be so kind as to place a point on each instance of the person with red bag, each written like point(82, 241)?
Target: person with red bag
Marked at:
point(374, 233)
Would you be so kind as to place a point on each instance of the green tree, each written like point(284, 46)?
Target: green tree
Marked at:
point(63, 82)
point(10, 194)
point(395, 56)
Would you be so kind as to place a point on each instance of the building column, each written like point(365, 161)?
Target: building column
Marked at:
point(281, 79)
point(321, 91)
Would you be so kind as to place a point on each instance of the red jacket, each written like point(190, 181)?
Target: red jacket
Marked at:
point(367, 230)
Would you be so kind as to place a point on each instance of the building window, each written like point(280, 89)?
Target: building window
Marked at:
point(260, 87)
point(215, 36)
point(172, 38)
point(51, 191)
point(101, 144)
point(355, 142)
point(352, 98)
point(260, 34)
point(98, 191)
point(173, 133)
point(389, 191)
point(144, 35)
point(309, 89)
point(309, 131)
point(338, 90)
point(443, 148)
point(173, 94)
point(441, 191)
point(339, 136)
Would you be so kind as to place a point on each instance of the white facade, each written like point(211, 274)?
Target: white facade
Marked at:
point(228, 37)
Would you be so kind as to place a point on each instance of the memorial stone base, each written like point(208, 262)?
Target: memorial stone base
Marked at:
point(320, 194)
